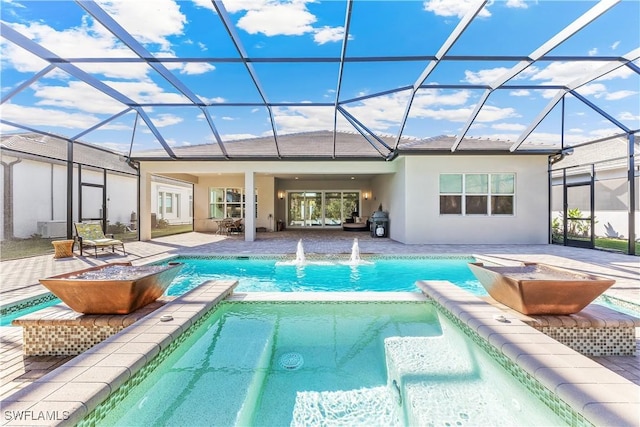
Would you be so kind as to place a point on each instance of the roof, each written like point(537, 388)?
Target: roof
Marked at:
point(236, 78)
point(55, 148)
point(320, 145)
point(612, 151)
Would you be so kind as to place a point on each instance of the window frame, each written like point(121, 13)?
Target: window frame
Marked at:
point(489, 195)
point(233, 200)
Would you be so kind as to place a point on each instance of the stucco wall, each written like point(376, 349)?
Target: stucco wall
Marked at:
point(424, 224)
point(40, 195)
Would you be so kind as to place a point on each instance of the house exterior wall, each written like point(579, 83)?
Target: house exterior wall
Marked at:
point(407, 188)
point(425, 224)
point(180, 212)
point(207, 174)
point(40, 197)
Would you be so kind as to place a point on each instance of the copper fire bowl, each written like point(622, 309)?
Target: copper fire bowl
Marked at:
point(137, 287)
point(539, 288)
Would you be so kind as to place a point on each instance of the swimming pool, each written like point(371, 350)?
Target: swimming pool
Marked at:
point(261, 274)
point(317, 363)
point(12, 312)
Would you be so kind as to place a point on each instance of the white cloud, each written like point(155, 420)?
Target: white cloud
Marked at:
point(146, 92)
point(278, 19)
point(520, 92)
point(486, 76)
point(164, 120)
point(576, 130)
point(150, 21)
point(228, 118)
point(595, 89)
point(235, 6)
point(192, 68)
point(627, 116)
point(76, 96)
point(615, 45)
point(78, 41)
point(621, 94)
point(207, 4)
point(509, 126)
point(382, 113)
point(545, 138)
point(566, 72)
point(454, 7)
point(604, 132)
point(328, 34)
point(287, 18)
point(593, 52)
point(36, 117)
point(236, 136)
point(522, 4)
point(214, 100)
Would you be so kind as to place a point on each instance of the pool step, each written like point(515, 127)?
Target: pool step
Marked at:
point(421, 369)
point(365, 406)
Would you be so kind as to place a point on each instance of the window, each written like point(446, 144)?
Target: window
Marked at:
point(477, 194)
point(168, 205)
point(228, 203)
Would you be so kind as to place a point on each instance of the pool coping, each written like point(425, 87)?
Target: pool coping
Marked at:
point(68, 394)
point(71, 392)
point(601, 396)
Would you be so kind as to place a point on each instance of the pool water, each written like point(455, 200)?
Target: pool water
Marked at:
point(277, 364)
point(6, 319)
point(273, 275)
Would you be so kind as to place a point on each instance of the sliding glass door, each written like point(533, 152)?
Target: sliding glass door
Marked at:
point(320, 208)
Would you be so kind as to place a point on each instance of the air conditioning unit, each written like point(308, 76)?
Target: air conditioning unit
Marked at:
point(50, 229)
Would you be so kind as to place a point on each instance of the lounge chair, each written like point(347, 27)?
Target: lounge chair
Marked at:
point(91, 235)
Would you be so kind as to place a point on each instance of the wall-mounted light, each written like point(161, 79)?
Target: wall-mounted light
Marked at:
point(280, 194)
point(366, 195)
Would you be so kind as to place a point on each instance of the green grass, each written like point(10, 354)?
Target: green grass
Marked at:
point(615, 244)
point(23, 248)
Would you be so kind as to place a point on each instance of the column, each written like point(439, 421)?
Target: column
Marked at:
point(249, 206)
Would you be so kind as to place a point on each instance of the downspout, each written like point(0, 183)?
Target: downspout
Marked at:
point(553, 159)
point(136, 166)
point(51, 190)
point(8, 197)
point(631, 167)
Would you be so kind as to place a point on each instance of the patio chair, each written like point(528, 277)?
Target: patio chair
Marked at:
point(91, 235)
point(236, 226)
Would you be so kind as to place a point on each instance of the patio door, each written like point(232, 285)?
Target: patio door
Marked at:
point(578, 214)
point(305, 209)
point(321, 208)
point(92, 199)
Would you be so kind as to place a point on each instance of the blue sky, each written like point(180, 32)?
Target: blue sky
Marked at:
point(61, 104)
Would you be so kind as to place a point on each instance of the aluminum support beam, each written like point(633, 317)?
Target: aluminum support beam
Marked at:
point(235, 39)
point(27, 83)
point(31, 46)
point(102, 123)
point(354, 123)
point(110, 24)
point(600, 111)
point(549, 45)
point(446, 46)
point(343, 53)
point(599, 72)
point(633, 203)
point(346, 113)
